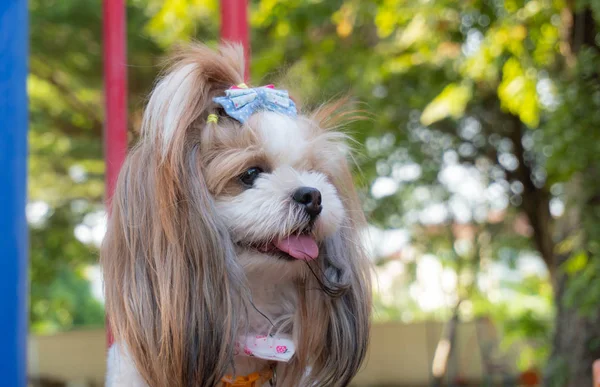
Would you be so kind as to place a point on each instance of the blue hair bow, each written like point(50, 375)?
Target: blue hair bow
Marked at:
point(240, 102)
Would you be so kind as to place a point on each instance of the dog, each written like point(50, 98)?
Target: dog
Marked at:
point(233, 250)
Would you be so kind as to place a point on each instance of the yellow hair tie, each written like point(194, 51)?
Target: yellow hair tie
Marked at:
point(212, 118)
point(242, 86)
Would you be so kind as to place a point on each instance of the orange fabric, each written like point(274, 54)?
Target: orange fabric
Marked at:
point(255, 379)
point(530, 378)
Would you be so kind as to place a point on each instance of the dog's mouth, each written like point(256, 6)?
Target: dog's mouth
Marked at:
point(301, 246)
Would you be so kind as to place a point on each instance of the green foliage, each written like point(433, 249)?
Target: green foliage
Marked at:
point(558, 372)
point(66, 167)
point(576, 263)
point(61, 297)
point(451, 102)
point(518, 93)
point(574, 155)
point(583, 292)
point(578, 110)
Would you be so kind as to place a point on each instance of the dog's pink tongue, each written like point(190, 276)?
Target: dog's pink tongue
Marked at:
point(301, 247)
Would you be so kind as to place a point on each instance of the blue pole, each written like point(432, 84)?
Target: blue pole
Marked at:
point(13, 194)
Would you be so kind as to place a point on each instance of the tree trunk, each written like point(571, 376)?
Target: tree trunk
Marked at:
point(575, 345)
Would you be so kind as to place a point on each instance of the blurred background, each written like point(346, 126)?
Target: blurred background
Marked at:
point(479, 170)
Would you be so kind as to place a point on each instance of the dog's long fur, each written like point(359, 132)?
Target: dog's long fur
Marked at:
point(181, 284)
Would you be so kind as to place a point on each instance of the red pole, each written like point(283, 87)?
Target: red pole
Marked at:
point(115, 96)
point(234, 26)
point(115, 89)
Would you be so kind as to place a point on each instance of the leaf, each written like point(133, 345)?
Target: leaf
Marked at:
point(517, 92)
point(576, 262)
point(568, 244)
point(451, 102)
point(415, 31)
point(385, 22)
point(176, 20)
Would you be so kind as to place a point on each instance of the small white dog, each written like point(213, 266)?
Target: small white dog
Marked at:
point(233, 255)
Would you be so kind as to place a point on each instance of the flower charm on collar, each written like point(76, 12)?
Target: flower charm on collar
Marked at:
point(240, 102)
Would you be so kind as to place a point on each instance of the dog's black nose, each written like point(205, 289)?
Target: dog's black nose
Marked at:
point(310, 198)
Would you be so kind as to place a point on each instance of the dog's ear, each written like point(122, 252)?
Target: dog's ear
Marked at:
point(335, 308)
point(184, 94)
point(171, 279)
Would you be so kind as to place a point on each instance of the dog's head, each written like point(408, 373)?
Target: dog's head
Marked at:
point(272, 184)
point(200, 203)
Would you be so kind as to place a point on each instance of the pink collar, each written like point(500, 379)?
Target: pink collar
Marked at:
point(277, 348)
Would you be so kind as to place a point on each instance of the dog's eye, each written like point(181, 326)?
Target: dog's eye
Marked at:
point(250, 175)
